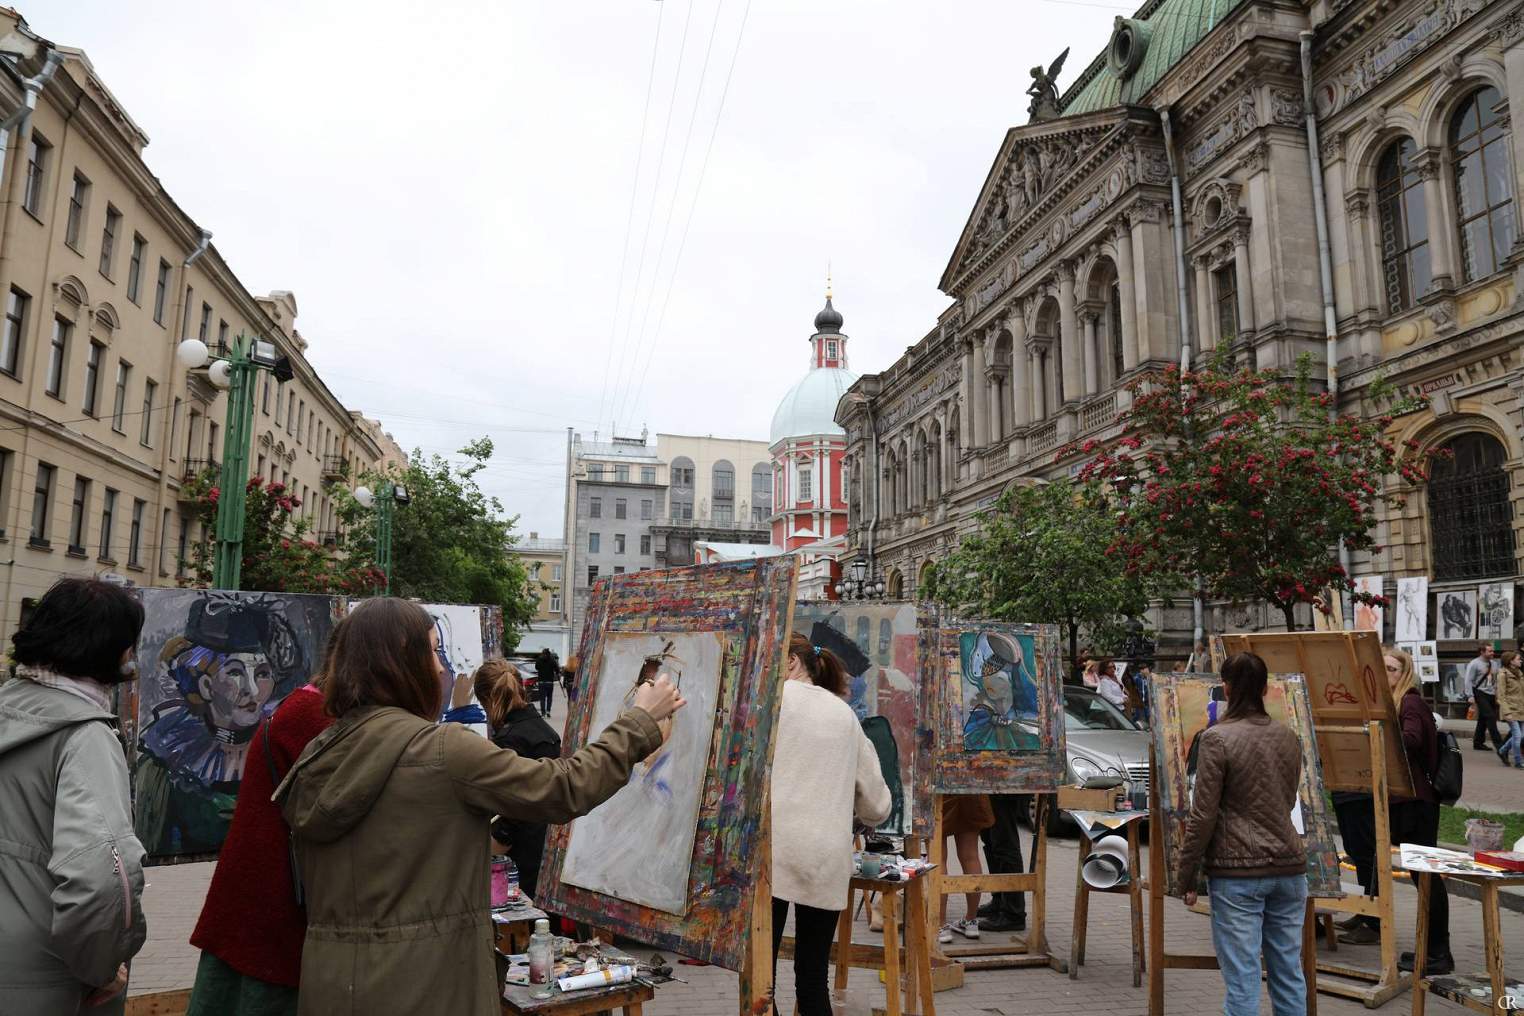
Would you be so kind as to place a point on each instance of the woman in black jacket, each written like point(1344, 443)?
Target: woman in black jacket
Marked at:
point(517, 725)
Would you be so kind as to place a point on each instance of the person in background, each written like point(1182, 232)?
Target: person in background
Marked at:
point(518, 726)
point(964, 817)
point(1110, 688)
point(391, 808)
point(1416, 820)
point(1091, 675)
point(1240, 832)
point(1141, 682)
point(1356, 815)
point(1511, 708)
point(1481, 689)
point(546, 670)
point(825, 773)
point(71, 869)
point(1006, 911)
point(569, 678)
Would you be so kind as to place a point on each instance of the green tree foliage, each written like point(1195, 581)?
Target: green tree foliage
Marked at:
point(1039, 555)
point(451, 543)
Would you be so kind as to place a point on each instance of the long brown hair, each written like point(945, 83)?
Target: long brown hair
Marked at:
point(1406, 681)
point(499, 689)
point(1247, 677)
point(823, 666)
point(380, 655)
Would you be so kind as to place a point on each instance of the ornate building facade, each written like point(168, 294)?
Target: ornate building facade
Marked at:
point(1068, 279)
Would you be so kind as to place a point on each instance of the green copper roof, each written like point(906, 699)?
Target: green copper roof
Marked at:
point(1174, 27)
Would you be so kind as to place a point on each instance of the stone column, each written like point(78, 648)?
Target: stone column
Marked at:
point(965, 418)
point(980, 409)
point(1206, 321)
point(1039, 386)
point(1021, 384)
point(1128, 294)
point(1244, 277)
point(1442, 262)
point(1072, 369)
point(1154, 282)
point(1089, 318)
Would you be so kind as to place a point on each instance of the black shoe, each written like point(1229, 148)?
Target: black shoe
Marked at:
point(1479, 747)
point(1363, 934)
point(1003, 922)
point(989, 909)
point(1434, 966)
point(1503, 757)
point(1351, 922)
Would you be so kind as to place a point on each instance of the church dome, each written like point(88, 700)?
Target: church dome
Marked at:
point(810, 406)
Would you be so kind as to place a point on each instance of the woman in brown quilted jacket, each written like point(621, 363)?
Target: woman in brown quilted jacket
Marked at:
point(1241, 834)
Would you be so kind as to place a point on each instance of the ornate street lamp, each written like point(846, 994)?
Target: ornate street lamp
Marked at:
point(383, 501)
point(860, 586)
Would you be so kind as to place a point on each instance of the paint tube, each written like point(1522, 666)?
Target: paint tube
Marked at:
point(598, 979)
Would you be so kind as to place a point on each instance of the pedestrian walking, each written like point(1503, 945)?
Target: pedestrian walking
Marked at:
point(825, 774)
point(1141, 683)
point(1481, 689)
point(1416, 820)
point(390, 810)
point(1511, 708)
point(1239, 832)
point(569, 678)
point(546, 670)
point(518, 726)
point(964, 817)
point(71, 913)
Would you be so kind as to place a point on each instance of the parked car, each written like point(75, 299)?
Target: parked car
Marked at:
point(1102, 741)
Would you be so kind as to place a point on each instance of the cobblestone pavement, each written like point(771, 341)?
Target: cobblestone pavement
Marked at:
point(173, 901)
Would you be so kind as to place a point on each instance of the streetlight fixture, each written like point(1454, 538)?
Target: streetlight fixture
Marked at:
point(860, 586)
point(234, 373)
point(383, 500)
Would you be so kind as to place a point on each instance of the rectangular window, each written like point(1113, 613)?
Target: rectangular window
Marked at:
point(5, 486)
point(191, 435)
point(135, 534)
point(621, 508)
point(79, 199)
point(15, 327)
point(36, 173)
point(119, 403)
point(555, 573)
point(619, 543)
point(621, 474)
point(290, 411)
point(645, 544)
point(93, 377)
point(259, 468)
point(618, 569)
point(592, 574)
point(108, 239)
point(595, 508)
point(280, 402)
point(161, 290)
point(163, 542)
point(301, 419)
point(150, 391)
point(108, 515)
point(185, 319)
point(183, 548)
point(135, 268)
point(687, 509)
point(723, 512)
point(645, 510)
point(58, 356)
point(264, 398)
point(213, 446)
point(42, 493)
point(222, 334)
point(555, 603)
point(647, 474)
point(1226, 279)
point(593, 542)
point(77, 517)
point(174, 428)
point(204, 333)
point(759, 514)
point(595, 473)
point(806, 481)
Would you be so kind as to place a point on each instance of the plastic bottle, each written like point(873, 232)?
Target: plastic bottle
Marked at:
point(541, 965)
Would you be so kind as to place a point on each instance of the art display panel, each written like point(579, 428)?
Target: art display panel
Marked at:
point(997, 708)
point(1369, 616)
point(1457, 614)
point(744, 610)
point(1412, 622)
point(1494, 611)
point(1185, 707)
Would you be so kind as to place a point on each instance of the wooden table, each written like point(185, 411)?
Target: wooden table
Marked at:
point(1460, 987)
point(1132, 889)
point(512, 928)
point(917, 954)
point(519, 1000)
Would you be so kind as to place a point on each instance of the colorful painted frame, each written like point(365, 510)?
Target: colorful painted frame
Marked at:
point(752, 603)
point(1174, 728)
point(950, 768)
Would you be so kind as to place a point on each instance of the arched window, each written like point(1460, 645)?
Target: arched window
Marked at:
point(1405, 269)
point(896, 585)
point(761, 492)
point(1114, 331)
point(723, 494)
point(1483, 184)
point(1470, 521)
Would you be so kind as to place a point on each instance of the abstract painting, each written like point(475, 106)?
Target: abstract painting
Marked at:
point(1186, 706)
point(214, 664)
point(997, 708)
point(1457, 614)
point(1412, 609)
point(658, 808)
point(877, 643)
point(1369, 616)
point(742, 611)
point(1494, 611)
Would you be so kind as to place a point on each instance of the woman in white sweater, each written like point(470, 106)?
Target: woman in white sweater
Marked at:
point(825, 772)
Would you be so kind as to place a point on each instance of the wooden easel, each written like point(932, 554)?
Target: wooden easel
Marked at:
point(1030, 951)
point(1133, 890)
point(757, 970)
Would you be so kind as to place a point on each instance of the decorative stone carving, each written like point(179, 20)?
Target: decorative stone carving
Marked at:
point(1216, 205)
point(1509, 29)
point(991, 290)
point(1032, 170)
point(1044, 90)
point(1255, 159)
point(1402, 44)
point(1429, 163)
point(1331, 147)
point(1153, 165)
point(1286, 107)
point(1240, 121)
point(1146, 211)
point(1442, 313)
point(925, 394)
point(1357, 203)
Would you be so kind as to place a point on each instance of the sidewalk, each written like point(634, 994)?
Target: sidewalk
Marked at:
point(175, 892)
point(1488, 785)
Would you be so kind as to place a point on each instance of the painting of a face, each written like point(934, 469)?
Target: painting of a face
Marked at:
point(237, 691)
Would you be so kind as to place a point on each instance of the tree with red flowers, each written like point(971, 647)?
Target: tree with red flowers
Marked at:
point(1248, 481)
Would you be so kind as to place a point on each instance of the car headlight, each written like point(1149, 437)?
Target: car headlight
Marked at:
point(1084, 769)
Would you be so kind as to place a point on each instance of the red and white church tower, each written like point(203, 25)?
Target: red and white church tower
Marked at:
point(809, 487)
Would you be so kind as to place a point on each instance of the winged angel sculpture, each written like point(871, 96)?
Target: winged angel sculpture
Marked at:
point(1044, 90)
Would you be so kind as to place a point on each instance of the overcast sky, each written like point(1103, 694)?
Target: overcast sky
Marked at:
point(447, 189)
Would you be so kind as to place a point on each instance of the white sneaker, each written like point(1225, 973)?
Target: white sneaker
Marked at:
point(945, 935)
point(968, 929)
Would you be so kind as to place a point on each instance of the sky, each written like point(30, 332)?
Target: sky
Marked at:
point(507, 218)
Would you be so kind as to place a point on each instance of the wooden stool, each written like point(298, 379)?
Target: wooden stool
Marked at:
point(1132, 889)
point(917, 956)
point(511, 929)
point(519, 1000)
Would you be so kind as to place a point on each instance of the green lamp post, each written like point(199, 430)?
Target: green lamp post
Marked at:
point(384, 500)
point(235, 373)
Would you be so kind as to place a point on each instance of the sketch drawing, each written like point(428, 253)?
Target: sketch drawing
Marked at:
point(999, 692)
point(214, 665)
point(1494, 611)
point(1369, 616)
point(1457, 614)
point(638, 846)
point(1412, 622)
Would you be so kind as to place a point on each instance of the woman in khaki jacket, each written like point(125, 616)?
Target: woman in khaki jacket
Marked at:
point(391, 813)
point(1511, 708)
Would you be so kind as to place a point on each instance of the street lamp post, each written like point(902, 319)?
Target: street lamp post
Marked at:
point(387, 496)
point(860, 586)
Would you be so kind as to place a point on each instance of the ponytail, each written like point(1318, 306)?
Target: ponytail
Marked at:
point(823, 666)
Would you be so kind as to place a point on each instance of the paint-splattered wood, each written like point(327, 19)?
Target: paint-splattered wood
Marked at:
point(752, 604)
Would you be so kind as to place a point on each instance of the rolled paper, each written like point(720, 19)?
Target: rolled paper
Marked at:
point(613, 975)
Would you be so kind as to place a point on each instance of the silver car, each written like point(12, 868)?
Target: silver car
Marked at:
point(1102, 742)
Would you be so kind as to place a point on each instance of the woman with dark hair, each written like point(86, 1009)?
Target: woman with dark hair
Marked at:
point(1240, 831)
point(71, 915)
point(517, 725)
point(825, 773)
point(391, 810)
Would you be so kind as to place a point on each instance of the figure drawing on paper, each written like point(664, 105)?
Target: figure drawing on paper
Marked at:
point(1457, 613)
point(1494, 611)
point(638, 846)
point(1412, 609)
point(1369, 616)
point(999, 692)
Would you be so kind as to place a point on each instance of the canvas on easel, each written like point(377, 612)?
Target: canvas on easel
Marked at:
point(679, 857)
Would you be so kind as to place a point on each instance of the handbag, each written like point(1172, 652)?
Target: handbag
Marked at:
point(297, 892)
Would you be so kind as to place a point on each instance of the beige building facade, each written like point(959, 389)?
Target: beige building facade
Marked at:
point(102, 276)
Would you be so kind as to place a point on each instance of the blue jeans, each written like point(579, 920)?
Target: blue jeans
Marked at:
point(1250, 913)
point(1515, 744)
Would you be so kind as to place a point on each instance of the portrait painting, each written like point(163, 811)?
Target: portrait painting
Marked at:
point(214, 665)
point(1457, 614)
point(998, 704)
point(1369, 616)
point(1412, 621)
point(1494, 611)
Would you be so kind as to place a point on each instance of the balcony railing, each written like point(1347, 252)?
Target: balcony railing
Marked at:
point(331, 537)
point(334, 467)
point(1099, 413)
point(1045, 437)
point(669, 522)
point(195, 467)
